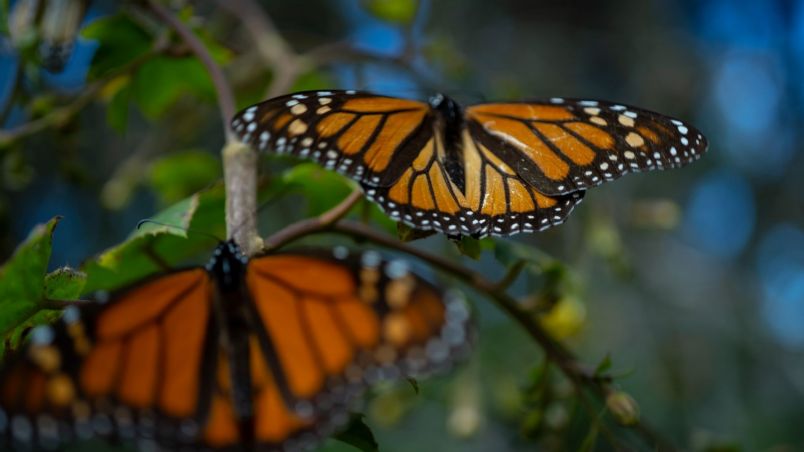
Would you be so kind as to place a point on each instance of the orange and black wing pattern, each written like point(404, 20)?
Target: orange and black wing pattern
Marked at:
point(367, 137)
point(483, 196)
point(566, 145)
point(137, 367)
point(332, 324)
point(489, 169)
point(148, 367)
point(181, 362)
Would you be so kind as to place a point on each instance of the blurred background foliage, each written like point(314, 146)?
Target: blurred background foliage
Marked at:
point(686, 286)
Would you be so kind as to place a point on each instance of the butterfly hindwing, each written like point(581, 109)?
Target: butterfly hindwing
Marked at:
point(334, 324)
point(565, 145)
point(489, 198)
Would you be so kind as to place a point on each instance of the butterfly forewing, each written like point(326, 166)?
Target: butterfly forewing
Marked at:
point(364, 136)
point(565, 145)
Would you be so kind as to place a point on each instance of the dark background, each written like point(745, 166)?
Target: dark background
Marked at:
point(693, 279)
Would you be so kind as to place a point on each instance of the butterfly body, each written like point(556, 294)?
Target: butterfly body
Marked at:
point(485, 169)
point(266, 353)
point(449, 120)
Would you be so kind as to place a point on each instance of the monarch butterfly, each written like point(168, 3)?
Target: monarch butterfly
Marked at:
point(487, 169)
point(259, 354)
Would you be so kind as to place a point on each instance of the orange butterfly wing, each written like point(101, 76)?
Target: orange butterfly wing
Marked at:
point(130, 366)
point(492, 200)
point(153, 364)
point(566, 145)
point(332, 325)
point(367, 137)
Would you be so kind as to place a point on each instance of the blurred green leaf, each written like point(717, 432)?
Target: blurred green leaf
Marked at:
point(180, 174)
point(359, 435)
point(470, 247)
point(312, 80)
point(120, 40)
point(153, 247)
point(117, 108)
point(13, 338)
point(407, 233)
point(322, 188)
point(603, 366)
point(163, 80)
point(590, 440)
point(398, 11)
point(22, 277)
point(414, 383)
point(64, 284)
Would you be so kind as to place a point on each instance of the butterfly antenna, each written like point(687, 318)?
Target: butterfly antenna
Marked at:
point(141, 223)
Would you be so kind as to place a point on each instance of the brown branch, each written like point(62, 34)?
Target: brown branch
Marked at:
point(239, 160)
point(53, 304)
point(310, 225)
point(63, 114)
point(272, 47)
point(55, 118)
point(224, 91)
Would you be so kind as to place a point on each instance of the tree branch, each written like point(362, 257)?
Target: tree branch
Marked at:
point(222, 88)
point(239, 160)
point(306, 227)
point(272, 47)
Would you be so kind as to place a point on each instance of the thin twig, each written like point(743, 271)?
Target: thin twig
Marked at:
point(61, 115)
point(318, 223)
point(50, 303)
point(510, 275)
point(224, 91)
point(286, 64)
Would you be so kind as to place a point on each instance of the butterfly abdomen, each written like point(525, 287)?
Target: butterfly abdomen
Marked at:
point(451, 124)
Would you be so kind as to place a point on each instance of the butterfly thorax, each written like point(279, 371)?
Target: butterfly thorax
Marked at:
point(450, 123)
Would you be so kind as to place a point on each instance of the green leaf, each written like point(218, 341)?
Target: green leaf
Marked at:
point(120, 40)
point(64, 284)
point(117, 109)
point(589, 442)
point(180, 174)
point(22, 277)
point(163, 80)
point(322, 188)
point(158, 247)
point(470, 247)
point(406, 233)
point(359, 435)
point(398, 11)
point(13, 338)
point(603, 366)
point(414, 383)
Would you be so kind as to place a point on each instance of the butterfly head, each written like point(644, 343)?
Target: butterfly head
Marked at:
point(227, 263)
point(445, 105)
